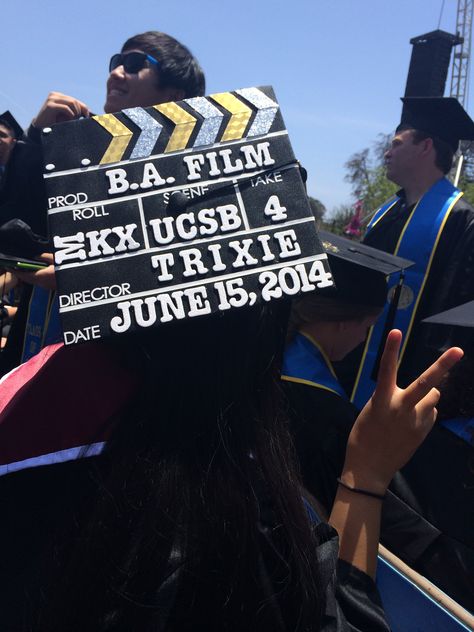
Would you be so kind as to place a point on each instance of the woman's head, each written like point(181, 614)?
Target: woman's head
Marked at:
point(342, 314)
point(343, 324)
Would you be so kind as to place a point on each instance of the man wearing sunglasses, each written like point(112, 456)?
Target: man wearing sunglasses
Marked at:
point(152, 68)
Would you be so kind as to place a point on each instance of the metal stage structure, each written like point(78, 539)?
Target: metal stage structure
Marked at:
point(462, 56)
point(460, 81)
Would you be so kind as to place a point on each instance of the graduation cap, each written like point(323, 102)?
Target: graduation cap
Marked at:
point(8, 118)
point(442, 117)
point(461, 316)
point(359, 271)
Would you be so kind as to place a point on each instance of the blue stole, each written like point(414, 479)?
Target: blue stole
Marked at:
point(306, 363)
point(462, 427)
point(418, 242)
point(42, 325)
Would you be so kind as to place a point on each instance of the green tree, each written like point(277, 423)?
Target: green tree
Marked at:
point(467, 186)
point(339, 219)
point(365, 170)
point(318, 209)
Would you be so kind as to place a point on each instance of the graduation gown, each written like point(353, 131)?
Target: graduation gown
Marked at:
point(48, 490)
point(321, 421)
point(23, 196)
point(449, 283)
point(439, 483)
point(22, 191)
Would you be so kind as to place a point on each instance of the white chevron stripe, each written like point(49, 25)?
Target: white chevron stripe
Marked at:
point(150, 127)
point(266, 113)
point(212, 120)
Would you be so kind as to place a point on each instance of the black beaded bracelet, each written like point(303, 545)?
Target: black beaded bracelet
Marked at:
point(357, 490)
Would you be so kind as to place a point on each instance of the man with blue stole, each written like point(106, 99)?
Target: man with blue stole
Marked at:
point(428, 222)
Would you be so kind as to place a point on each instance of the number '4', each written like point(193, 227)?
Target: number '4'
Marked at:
point(274, 209)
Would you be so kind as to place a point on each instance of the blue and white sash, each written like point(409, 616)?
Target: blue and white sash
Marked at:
point(306, 363)
point(386, 206)
point(418, 242)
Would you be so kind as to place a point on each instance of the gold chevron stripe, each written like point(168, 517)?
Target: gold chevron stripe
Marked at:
point(121, 137)
point(240, 115)
point(184, 122)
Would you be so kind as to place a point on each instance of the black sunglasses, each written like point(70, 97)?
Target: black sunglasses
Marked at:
point(131, 62)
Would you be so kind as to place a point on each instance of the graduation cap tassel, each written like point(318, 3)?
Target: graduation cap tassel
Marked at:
point(392, 310)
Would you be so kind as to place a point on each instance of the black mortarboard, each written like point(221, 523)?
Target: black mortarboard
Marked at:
point(442, 117)
point(461, 316)
point(359, 271)
point(12, 122)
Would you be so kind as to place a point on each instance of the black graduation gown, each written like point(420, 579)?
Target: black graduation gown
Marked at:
point(439, 483)
point(321, 422)
point(22, 191)
point(450, 282)
point(44, 510)
point(23, 196)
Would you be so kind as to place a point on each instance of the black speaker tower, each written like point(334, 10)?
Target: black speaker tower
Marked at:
point(429, 63)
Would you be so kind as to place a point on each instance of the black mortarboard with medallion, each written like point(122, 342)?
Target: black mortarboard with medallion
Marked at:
point(359, 271)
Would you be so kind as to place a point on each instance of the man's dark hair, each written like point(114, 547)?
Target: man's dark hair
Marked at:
point(178, 67)
point(443, 151)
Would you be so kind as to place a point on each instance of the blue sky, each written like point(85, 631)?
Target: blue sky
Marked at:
point(338, 67)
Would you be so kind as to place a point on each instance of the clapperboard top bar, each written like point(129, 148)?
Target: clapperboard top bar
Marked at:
point(137, 133)
point(176, 211)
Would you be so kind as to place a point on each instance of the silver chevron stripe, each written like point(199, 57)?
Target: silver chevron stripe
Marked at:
point(266, 110)
point(212, 120)
point(150, 130)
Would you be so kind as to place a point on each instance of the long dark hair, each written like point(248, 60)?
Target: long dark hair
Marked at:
point(199, 521)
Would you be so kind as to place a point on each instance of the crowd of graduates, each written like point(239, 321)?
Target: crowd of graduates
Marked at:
point(237, 471)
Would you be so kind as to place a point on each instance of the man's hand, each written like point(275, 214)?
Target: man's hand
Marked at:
point(395, 421)
point(58, 108)
point(44, 278)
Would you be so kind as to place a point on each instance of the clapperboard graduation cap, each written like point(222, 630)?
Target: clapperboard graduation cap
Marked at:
point(443, 117)
point(175, 211)
point(359, 271)
point(460, 316)
point(12, 122)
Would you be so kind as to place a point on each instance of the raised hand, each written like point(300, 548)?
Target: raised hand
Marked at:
point(59, 107)
point(394, 421)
